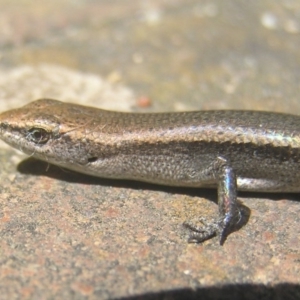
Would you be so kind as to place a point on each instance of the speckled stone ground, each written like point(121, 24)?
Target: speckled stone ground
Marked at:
point(70, 236)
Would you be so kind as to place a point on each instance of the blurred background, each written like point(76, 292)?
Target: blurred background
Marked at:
point(166, 55)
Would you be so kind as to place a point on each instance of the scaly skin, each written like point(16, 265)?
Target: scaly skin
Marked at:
point(230, 150)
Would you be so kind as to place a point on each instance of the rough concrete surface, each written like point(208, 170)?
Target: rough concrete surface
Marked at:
point(70, 236)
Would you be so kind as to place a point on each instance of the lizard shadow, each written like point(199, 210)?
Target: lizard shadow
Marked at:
point(34, 167)
point(37, 167)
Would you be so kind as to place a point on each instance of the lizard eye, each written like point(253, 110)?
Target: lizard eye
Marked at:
point(38, 135)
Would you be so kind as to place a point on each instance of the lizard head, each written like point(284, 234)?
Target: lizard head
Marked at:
point(45, 129)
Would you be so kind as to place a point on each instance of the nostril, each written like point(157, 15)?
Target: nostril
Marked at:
point(4, 125)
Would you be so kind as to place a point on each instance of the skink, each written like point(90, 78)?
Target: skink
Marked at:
point(229, 150)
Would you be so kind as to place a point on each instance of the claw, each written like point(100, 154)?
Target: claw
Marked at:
point(201, 233)
point(221, 228)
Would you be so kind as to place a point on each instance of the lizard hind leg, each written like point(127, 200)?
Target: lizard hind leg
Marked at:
point(229, 212)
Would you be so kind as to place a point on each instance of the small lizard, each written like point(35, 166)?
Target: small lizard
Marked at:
point(229, 150)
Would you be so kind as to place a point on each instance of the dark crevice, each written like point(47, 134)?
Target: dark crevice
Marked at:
point(92, 159)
